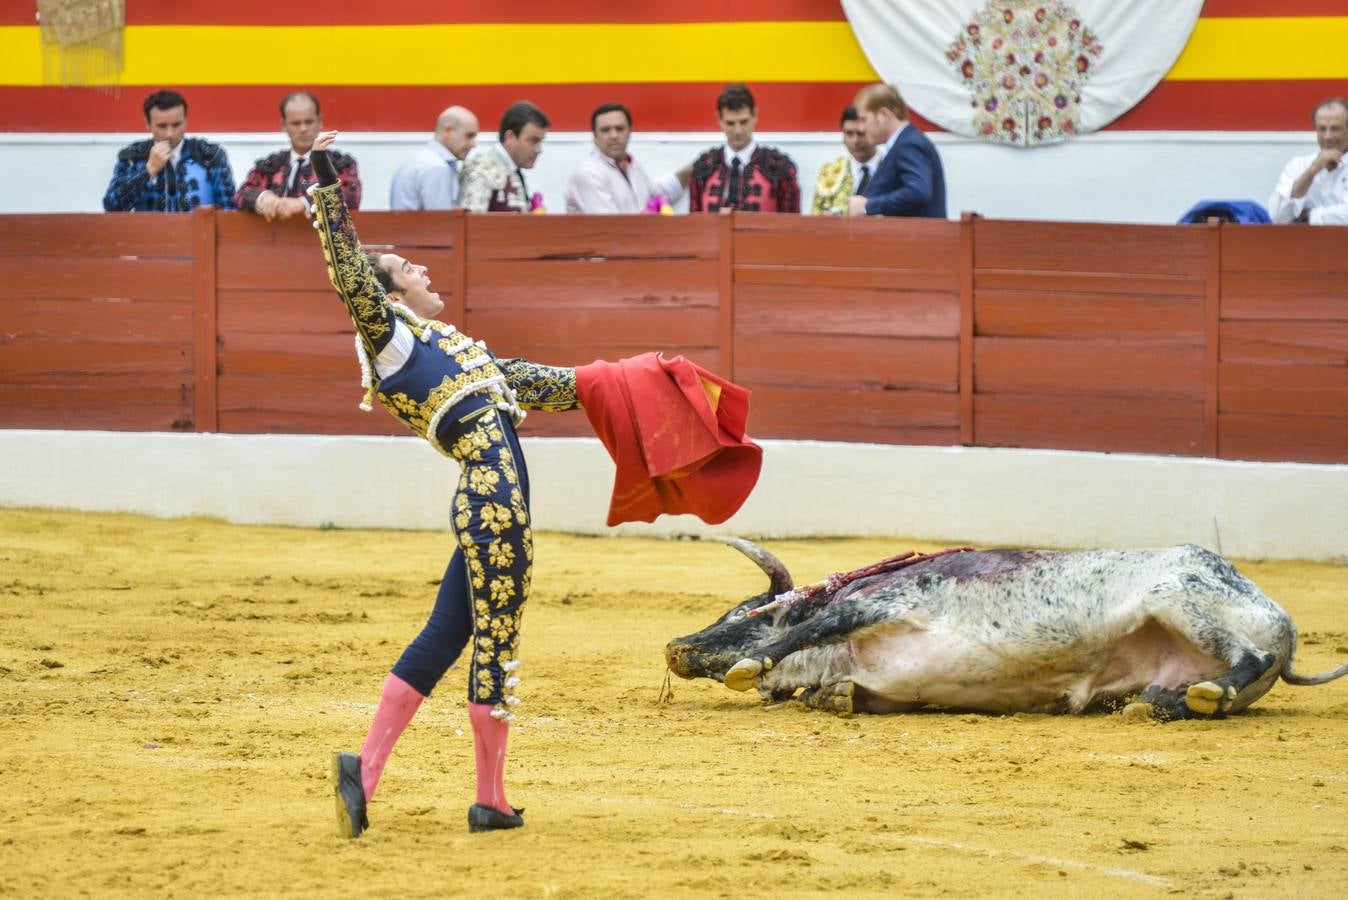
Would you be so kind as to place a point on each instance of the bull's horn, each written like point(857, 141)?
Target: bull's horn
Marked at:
point(771, 565)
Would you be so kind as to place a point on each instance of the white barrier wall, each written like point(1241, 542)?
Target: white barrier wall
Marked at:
point(1149, 177)
point(958, 495)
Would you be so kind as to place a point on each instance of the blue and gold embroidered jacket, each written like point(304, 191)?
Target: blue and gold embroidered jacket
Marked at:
point(448, 373)
point(201, 177)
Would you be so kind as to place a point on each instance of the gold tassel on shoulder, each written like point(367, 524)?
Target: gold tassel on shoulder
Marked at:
point(82, 42)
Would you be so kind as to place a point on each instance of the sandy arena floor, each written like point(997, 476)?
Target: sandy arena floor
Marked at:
point(171, 692)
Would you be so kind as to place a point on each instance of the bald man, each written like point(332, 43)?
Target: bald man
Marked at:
point(429, 178)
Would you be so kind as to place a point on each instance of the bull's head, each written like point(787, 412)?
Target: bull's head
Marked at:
point(712, 651)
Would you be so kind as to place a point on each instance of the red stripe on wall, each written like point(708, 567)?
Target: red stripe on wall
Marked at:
point(402, 12)
point(792, 106)
point(1256, 9)
point(1228, 106)
point(416, 12)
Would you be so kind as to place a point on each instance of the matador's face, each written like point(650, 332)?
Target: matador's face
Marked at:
point(411, 286)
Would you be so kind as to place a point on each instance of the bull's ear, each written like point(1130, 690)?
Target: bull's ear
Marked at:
point(774, 567)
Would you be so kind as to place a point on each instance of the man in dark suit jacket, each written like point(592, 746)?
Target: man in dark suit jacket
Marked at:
point(910, 180)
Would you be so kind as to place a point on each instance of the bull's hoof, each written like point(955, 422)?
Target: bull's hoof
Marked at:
point(744, 674)
point(1208, 698)
point(837, 698)
point(1138, 712)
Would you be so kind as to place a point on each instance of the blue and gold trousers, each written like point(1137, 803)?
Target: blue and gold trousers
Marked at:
point(482, 594)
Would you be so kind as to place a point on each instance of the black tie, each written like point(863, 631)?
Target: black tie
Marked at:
point(733, 192)
point(865, 180)
point(524, 186)
point(297, 183)
point(171, 184)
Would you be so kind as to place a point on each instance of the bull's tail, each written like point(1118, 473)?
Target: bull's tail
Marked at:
point(1293, 678)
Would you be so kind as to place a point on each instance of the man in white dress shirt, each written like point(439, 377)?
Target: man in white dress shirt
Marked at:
point(1314, 188)
point(429, 178)
point(610, 180)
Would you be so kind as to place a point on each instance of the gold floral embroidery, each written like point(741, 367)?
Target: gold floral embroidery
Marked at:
point(536, 386)
point(501, 554)
point(502, 590)
point(483, 480)
point(832, 188)
point(495, 517)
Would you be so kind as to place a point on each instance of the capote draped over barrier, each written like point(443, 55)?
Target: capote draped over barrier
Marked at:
point(676, 433)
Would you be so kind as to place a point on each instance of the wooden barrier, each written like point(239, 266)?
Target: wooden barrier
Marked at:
point(1217, 340)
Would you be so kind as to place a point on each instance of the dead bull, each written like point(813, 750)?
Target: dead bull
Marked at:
point(1176, 629)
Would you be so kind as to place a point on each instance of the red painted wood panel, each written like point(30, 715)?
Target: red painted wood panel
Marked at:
point(1138, 283)
point(662, 328)
point(106, 405)
point(1104, 424)
point(1285, 295)
point(1322, 343)
point(73, 276)
point(1284, 438)
point(869, 242)
point(580, 237)
point(1284, 248)
point(1291, 390)
point(326, 405)
point(572, 423)
point(1091, 247)
point(281, 356)
point(865, 363)
point(529, 286)
point(1001, 313)
point(762, 311)
point(48, 359)
point(82, 236)
point(851, 414)
point(116, 320)
point(1089, 337)
point(316, 311)
point(1087, 369)
point(932, 281)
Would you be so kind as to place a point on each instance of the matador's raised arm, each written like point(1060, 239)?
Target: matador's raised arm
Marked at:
point(348, 269)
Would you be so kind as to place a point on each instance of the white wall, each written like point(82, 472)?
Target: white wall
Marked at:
point(957, 495)
point(1108, 176)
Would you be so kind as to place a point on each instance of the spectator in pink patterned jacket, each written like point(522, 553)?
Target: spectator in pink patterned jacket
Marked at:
point(276, 185)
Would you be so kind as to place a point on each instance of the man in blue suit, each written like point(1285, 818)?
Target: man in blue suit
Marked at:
point(910, 180)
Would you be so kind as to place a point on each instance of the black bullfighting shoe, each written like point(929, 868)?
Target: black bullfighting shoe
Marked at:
point(488, 818)
point(350, 792)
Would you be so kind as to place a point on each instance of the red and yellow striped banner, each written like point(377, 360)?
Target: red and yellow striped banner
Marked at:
point(392, 65)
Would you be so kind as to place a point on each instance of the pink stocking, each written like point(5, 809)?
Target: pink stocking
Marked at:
point(489, 740)
point(397, 704)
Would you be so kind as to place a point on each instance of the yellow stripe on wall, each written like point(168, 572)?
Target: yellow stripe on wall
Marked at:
point(1219, 49)
point(1255, 49)
point(469, 54)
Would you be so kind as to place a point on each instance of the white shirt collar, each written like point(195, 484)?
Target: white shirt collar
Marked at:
point(889, 144)
point(608, 160)
point(871, 164)
point(295, 158)
point(510, 163)
point(177, 154)
point(744, 155)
